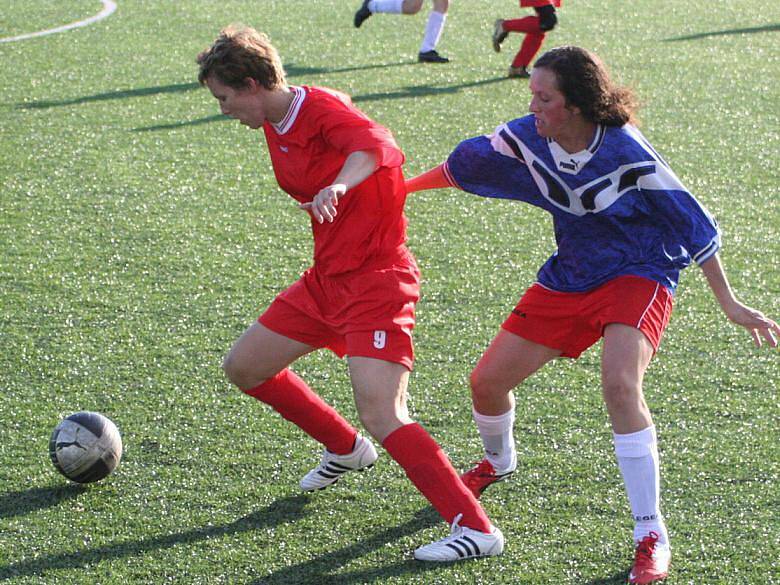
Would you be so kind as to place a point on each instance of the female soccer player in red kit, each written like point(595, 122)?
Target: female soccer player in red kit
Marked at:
point(357, 299)
point(535, 29)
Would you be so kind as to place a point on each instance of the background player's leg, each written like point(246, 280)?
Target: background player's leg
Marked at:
point(433, 29)
point(527, 24)
point(532, 42)
point(393, 6)
point(530, 46)
point(435, 25)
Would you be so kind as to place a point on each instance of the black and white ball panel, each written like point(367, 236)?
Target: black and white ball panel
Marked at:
point(85, 447)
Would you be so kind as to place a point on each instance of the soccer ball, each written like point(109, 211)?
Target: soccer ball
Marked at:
point(85, 447)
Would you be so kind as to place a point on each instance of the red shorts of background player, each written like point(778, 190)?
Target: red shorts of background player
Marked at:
point(365, 314)
point(572, 322)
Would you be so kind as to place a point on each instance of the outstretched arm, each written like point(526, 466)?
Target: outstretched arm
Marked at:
point(357, 168)
point(433, 179)
point(754, 321)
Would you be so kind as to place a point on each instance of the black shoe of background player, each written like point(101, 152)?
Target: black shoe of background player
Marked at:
point(362, 14)
point(431, 57)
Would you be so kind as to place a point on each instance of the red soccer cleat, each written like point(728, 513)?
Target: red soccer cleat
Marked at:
point(651, 562)
point(481, 476)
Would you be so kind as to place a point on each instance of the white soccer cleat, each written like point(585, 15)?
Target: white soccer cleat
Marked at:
point(333, 466)
point(462, 543)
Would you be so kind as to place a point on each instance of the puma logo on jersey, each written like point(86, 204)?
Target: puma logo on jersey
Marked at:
point(571, 165)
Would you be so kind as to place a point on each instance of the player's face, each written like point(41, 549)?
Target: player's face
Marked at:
point(548, 104)
point(245, 104)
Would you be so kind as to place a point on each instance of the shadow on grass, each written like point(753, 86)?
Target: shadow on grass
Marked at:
point(409, 92)
point(292, 71)
point(731, 31)
point(321, 570)
point(174, 125)
point(620, 578)
point(112, 95)
point(26, 501)
point(281, 511)
point(416, 91)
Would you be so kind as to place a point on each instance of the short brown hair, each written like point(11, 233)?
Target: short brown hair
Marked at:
point(241, 52)
point(585, 83)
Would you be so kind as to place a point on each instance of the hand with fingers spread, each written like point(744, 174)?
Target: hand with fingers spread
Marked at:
point(323, 206)
point(751, 319)
point(756, 322)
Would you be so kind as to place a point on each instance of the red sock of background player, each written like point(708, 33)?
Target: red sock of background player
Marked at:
point(534, 37)
point(527, 24)
point(528, 49)
point(432, 473)
point(291, 397)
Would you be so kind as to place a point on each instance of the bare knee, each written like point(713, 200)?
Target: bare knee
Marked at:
point(481, 385)
point(372, 422)
point(412, 6)
point(441, 6)
point(242, 374)
point(487, 384)
point(380, 420)
point(622, 394)
point(490, 396)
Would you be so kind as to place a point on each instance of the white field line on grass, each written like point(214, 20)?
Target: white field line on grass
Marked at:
point(108, 8)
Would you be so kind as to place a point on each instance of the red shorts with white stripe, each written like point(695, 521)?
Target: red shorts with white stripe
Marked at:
point(572, 322)
point(368, 314)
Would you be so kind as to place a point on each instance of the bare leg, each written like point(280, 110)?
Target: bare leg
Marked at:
point(508, 361)
point(625, 357)
point(260, 354)
point(257, 364)
point(380, 395)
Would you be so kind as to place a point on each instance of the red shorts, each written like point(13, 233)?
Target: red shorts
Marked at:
point(366, 314)
point(572, 322)
point(537, 3)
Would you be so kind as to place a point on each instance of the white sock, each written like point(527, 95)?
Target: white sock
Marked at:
point(637, 456)
point(497, 439)
point(433, 31)
point(387, 6)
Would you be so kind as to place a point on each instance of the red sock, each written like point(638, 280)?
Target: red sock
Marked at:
point(528, 50)
point(432, 473)
point(527, 24)
point(291, 397)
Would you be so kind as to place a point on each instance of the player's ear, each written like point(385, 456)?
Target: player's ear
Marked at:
point(251, 84)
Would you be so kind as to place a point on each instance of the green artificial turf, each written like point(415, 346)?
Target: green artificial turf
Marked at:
point(141, 232)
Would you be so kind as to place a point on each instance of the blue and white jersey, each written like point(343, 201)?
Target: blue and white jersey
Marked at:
point(617, 207)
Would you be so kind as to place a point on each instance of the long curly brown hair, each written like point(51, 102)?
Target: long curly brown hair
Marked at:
point(585, 83)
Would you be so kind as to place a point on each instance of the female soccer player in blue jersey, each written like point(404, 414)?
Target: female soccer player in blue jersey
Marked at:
point(625, 226)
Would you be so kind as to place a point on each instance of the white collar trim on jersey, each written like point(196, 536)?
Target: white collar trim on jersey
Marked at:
point(566, 162)
point(292, 113)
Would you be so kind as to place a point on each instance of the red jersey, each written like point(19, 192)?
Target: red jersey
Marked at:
point(308, 149)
